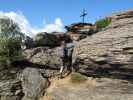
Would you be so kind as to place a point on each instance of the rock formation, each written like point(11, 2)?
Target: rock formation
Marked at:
point(105, 55)
point(109, 52)
point(80, 31)
point(10, 85)
point(28, 79)
point(92, 89)
point(33, 83)
point(51, 39)
point(22, 83)
point(46, 58)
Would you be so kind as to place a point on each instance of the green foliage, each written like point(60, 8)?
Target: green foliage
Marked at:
point(102, 23)
point(10, 42)
point(8, 28)
point(77, 78)
point(10, 50)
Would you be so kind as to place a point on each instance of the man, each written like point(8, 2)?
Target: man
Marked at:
point(63, 56)
point(70, 48)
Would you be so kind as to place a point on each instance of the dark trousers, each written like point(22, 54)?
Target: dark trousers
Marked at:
point(69, 66)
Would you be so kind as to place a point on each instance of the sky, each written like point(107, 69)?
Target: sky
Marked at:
point(52, 15)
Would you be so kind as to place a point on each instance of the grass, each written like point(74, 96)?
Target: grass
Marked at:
point(102, 23)
point(78, 78)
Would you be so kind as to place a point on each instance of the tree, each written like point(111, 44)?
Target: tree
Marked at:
point(8, 28)
point(10, 42)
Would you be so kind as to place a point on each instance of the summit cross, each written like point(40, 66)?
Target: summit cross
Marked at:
point(84, 13)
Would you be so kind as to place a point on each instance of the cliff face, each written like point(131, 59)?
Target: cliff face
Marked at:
point(105, 55)
point(109, 52)
point(28, 79)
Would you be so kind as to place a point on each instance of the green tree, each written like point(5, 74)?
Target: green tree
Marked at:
point(8, 28)
point(10, 42)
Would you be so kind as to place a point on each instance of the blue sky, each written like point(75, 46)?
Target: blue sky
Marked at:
point(38, 12)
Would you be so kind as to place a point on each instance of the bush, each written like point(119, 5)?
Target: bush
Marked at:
point(10, 42)
point(77, 78)
point(10, 51)
point(102, 23)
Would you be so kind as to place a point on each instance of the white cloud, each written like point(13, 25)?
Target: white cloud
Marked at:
point(27, 28)
point(57, 26)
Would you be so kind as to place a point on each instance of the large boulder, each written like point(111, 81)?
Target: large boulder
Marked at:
point(109, 52)
point(51, 39)
point(46, 58)
point(22, 81)
point(33, 84)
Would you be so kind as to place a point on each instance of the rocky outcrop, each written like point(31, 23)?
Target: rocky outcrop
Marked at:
point(51, 39)
point(80, 31)
point(81, 28)
point(33, 83)
point(28, 79)
point(46, 58)
point(109, 52)
point(10, 85)
point(76, 37)
point(92, 89)
point(17, 83)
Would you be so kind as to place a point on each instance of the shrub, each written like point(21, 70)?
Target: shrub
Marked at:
point(10, 50)
point(10, 42)
point(77, 78)
point(102, 23)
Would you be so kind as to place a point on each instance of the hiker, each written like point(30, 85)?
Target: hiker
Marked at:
point(63, 56)
point(70, 47)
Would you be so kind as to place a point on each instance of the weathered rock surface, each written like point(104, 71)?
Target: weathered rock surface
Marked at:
point(44, 56)
point(109, 52)
point(10, 85)
point(22, 84)
point(78, 31)
point(51, 39)
point(48, 59)
point(81, 28)
point(92, 89)
point(33, 84)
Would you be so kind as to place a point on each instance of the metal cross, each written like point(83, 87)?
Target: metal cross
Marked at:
point(84, 13)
